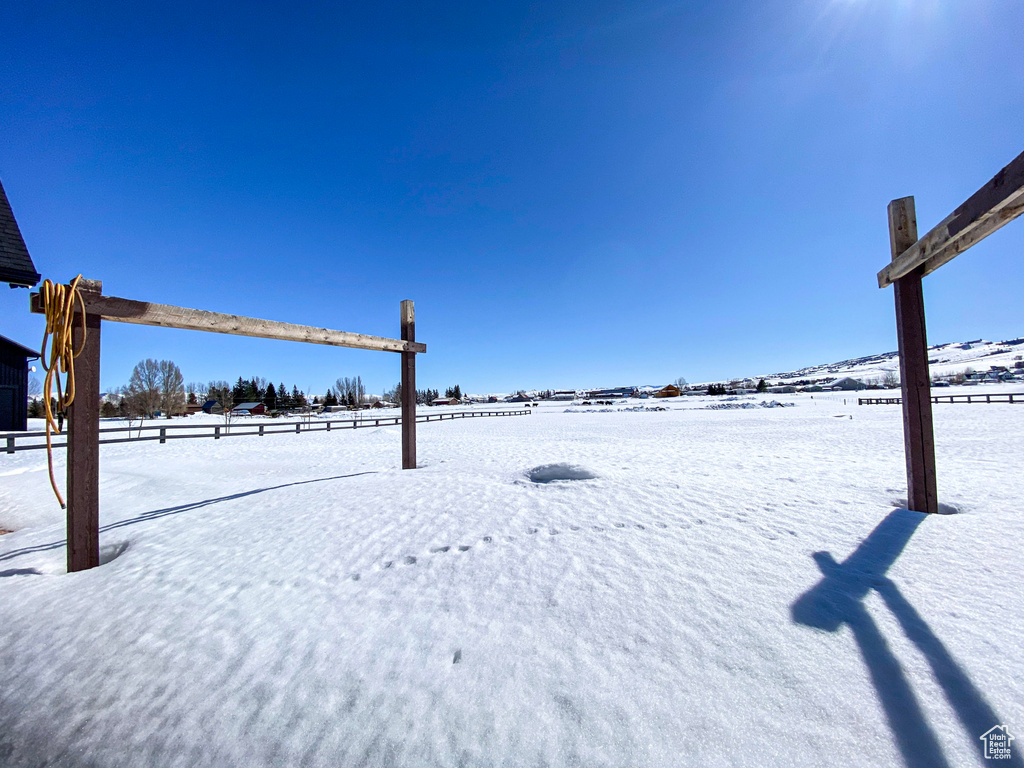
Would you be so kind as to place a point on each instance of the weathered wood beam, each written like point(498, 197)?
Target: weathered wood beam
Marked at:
point(408, 317)
point(120, 310)
point(1000, 201)
point(915, 381)
point(83, 441)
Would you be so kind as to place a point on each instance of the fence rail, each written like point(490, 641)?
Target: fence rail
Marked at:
point(1006, 397)
point(217, 431)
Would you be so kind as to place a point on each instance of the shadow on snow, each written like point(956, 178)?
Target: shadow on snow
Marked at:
point(156, 513)
point(838, 599)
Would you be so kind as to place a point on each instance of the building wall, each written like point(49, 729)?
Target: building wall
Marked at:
point(13, 390)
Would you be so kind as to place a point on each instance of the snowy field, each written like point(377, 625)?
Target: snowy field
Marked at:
point(730, 587)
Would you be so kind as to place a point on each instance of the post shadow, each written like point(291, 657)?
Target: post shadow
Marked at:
point(837, 600)
point(155, 513)
point(974, 712)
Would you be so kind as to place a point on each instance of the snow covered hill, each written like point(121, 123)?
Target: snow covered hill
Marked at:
point(945, 359)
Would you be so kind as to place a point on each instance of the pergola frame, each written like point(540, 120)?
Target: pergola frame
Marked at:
point(83, 448)
point(997, 203)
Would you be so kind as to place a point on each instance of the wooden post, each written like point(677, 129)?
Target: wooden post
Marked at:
point(408, 388)
point(918, 433)
point(83, 451)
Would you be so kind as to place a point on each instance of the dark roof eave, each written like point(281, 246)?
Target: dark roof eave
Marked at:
point(30, 354)
point(18, 278)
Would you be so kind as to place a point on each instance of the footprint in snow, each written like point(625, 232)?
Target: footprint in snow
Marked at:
point(531, 530)
point(437, 550)
point(488, 539)
point(554, 532)
point(574, 527)
point(464, 547)
point(409, 560)
point(620, 525)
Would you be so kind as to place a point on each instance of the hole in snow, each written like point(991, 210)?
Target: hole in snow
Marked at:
point(549, 473)
point(110, 552)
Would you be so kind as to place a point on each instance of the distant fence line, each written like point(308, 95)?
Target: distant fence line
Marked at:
point(1006, 397)
point(217, 431)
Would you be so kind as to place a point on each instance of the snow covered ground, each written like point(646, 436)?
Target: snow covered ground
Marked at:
point(729, 587)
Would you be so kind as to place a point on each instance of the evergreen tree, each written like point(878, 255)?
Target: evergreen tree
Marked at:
point(298, 398)
point(240, 391)
point(270, 397)
point(258, 387)
point(283, 400)
point(330, 398)
point(458, 392)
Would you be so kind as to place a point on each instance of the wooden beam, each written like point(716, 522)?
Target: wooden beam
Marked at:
point(408, 312)
point(915, 381)
point(1000, 201)
point(120, 310)
point(83, 444)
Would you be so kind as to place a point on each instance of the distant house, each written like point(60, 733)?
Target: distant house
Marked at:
point(846, 384)
point(669, 390)
point(249, 409)
point(383, 404)
point(492, 399)
point(613, 392)
point(446, 401)
point(14, 384)
point(212, 406)
point(519, 399)
point(563, 394)
point(784, 388)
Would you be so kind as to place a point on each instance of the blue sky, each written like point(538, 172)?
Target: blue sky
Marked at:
point(574, 194)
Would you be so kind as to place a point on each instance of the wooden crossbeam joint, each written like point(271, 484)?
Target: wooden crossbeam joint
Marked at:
point(997, 203)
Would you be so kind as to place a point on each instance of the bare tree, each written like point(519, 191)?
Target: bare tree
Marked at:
point(350, 391)
point(680, 382)
point(129, 408)
point(172, 389)
point(143, 388)
point(890, 380)
point(195, 392)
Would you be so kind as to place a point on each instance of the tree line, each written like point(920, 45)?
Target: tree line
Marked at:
point(423, 396)
point(157, 387)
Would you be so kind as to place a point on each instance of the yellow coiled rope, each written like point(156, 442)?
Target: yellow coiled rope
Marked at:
point(59, 307)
